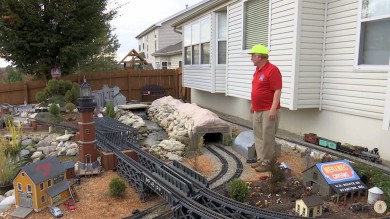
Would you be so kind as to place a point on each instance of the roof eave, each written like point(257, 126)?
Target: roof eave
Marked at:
point(149, 29)
point(198, 11)
point(167, 53)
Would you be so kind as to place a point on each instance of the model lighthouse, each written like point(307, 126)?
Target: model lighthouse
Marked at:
point(88, 163)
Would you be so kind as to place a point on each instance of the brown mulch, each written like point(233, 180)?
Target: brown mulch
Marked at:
point(95, 201)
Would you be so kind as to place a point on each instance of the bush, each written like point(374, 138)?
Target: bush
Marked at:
point(238, 190)
point(40, 96)
point(117, 187)
point(70, 107)
point(54, 109)
point(8, 119)
point(110, 109)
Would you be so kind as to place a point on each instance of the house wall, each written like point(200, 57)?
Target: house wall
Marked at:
point(200, 76)
point(175, 61)
point(309, 56)
point(345, 89)
point(24, 180)
point(282, 31)
point(149, 48)
point(167, 36)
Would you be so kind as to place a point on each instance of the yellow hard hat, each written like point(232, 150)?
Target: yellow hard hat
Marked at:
point(259, 49)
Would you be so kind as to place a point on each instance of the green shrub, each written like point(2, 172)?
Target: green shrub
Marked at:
point(117, 187)
point(70, 107)
point(40, 96)
point(8, 119)
point(57, 99)
point(53, 87)
point(54, 109)
point(238, 190)
point(110, 109)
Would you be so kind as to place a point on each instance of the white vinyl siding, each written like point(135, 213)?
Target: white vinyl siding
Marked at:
point(310, 53)
point(198, 76)
point(239, 66)
point(282, 36)
point(345, 90)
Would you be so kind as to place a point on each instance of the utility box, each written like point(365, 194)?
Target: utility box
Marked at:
point(244, 144)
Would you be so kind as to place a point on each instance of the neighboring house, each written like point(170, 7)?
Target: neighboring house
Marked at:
point(169, 57)
point(337, 179)
point(333, 55)
point(310, 206)
point(159, 42)
point(41, 184)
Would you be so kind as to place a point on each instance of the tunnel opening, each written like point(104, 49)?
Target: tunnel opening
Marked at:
point(216, 138)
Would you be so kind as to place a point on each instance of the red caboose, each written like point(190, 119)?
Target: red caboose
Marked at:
point(311, 138)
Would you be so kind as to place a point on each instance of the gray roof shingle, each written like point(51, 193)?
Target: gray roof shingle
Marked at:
point(43, 170)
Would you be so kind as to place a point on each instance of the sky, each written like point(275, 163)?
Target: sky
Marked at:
point(136, 16)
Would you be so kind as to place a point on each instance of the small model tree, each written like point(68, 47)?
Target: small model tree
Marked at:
point(238, 190)
point(110, 109)
point(54, 109)
point(117, 187)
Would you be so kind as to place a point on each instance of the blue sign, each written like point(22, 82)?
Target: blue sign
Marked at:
point(337, 171)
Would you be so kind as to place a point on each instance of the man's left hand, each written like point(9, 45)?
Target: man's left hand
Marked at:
point(272, 114)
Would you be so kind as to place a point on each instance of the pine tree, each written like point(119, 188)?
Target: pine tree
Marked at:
point(36, 37)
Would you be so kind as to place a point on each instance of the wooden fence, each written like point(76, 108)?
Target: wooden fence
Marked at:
point(130, 82)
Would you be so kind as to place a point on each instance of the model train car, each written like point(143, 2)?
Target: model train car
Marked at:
point(358, 151)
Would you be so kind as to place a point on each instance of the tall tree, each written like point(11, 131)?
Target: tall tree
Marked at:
point(37, 35)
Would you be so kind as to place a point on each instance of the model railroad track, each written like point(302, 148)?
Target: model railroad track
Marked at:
point(152, 212)
point(185, 190)
point(384, 168)
point(225, 166)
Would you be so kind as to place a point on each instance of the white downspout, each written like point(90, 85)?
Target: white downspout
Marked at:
point(386, 113)
point(323, 54)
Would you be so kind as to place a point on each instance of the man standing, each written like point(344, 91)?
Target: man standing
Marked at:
point(265, 97)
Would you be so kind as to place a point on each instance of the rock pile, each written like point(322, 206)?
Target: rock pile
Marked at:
point(178, 126)
point(39, 146)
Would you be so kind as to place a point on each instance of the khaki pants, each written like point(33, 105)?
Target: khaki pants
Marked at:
point(264, 131)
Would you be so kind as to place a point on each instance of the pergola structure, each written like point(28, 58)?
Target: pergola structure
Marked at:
point(137, 60)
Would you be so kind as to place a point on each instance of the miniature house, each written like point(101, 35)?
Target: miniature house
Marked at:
point(333, 180)
point(41, 184)
point(310, 206)
point(69, 168)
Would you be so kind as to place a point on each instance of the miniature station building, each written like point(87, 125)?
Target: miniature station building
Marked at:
point(88, 163)
point(310, 206)
point(334, 180)
point(41, 184)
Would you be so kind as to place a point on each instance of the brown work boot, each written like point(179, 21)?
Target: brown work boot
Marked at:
point(255, 165)
point(263, 167)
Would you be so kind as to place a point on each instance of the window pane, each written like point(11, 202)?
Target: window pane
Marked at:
point(373, 8)
point(222, 26)
point(195, 33)
point(205, 30)
point(195, 54)
point(187, 56)
point(255, 23)
point(222, 52)
point(205, 53)
point(375, 46)
point(187, 35)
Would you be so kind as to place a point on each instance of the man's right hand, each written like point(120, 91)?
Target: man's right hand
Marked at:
point(252, 110)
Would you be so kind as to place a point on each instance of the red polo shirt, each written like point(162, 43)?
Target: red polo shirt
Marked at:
point(265, 81)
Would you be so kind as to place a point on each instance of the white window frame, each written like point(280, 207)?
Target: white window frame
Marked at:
point(29, 188)
point(162, 65)
point(19, 187)
point(218, 39)
point(243, 23)
point(379, 68)
point(199, 44)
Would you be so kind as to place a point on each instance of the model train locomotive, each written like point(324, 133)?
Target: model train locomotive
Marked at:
point(358, 151)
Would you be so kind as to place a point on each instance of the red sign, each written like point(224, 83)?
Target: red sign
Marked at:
point(337, 171)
